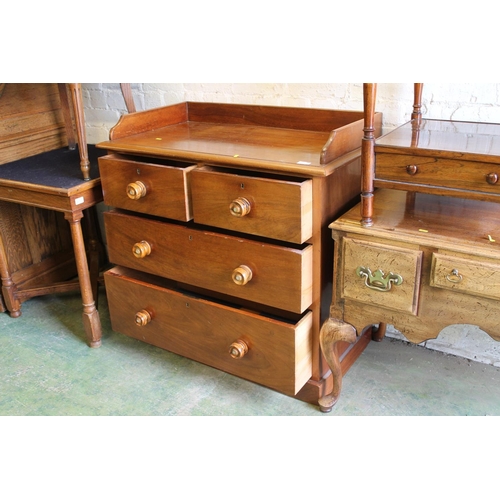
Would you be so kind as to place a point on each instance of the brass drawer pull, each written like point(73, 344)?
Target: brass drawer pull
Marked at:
point(141, 249)
point(238, 349)
point(412, 169)
point(492, 178)
point(142, 318)
point(136, 190)
point(242, 275)
point(240, 207)
point(378, 280)
point(454, 276)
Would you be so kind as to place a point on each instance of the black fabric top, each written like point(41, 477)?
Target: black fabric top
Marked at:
point(59, 168)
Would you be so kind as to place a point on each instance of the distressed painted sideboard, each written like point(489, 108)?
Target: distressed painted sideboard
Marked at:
point(422, 249)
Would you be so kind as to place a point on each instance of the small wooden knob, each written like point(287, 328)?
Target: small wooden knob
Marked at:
point(242, 275)
point(240, 207)
point(412, 169)
point(238, 349)
point(141, 249)
point(492, 178)
point(136, 190)
point(142, 318)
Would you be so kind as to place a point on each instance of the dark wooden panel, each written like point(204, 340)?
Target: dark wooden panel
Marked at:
point(31, 120)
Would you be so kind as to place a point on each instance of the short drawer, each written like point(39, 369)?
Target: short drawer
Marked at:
point(439, 172)
point(451, 272)
point(381, 274)
point(274, 275)
point(147, 185)
point(270, 207)
point(264, 350)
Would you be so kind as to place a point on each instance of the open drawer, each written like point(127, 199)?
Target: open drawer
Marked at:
point(261, 349)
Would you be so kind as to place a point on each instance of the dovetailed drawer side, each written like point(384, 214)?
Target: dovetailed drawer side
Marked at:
point(261, 349)
point(152, 186)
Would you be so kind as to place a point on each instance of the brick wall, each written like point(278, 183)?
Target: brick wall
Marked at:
point(477, 102)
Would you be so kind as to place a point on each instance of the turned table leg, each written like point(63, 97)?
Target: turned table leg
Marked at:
point(91, 320)
point(332, 332)
point(95, 249)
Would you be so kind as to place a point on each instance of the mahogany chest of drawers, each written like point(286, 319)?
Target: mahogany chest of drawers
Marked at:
point(219, 234)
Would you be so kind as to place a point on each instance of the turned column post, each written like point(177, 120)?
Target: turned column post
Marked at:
point(368, 154)
point(416, 116)
point(76, 97)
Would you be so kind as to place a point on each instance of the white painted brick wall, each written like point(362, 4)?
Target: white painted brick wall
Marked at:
point(477, 102)
point(104, 105)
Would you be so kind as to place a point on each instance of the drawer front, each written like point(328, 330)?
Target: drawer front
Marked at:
point(464, 275)
point(277, 276)
point(147, 186)
point(267, 351)
point(454, 174)
point(272, 208)
point(381, 274)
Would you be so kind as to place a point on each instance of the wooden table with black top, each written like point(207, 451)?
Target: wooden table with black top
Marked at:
point(47, 174)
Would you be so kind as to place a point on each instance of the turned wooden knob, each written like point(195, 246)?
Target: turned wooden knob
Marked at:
point(142, 318)
point(492, 178)
point(412, 169)
point(242, 275)
point(136, 190)
point(240, 207)
point(238, 349)
point(141, 249)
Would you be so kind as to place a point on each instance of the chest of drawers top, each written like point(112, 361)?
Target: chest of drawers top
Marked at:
point(299, 140)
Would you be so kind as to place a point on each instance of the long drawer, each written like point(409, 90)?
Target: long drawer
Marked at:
point(277, 276)
point(258, 348)
point(147, 185)
point(439, 172)
point(277, 208)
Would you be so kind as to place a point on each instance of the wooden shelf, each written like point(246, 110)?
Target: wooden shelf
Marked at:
point(444, 139)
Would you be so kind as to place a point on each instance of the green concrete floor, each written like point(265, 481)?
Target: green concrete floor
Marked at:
point(47, 369)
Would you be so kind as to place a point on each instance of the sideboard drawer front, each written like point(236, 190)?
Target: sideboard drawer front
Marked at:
point(278, 353)
point(481, 278)
point(273, 275)
point(400, 267)
point(156, 187)
point(439, 172)
point(270, 207)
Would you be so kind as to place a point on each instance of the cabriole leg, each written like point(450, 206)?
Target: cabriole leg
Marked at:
point(332, 332)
